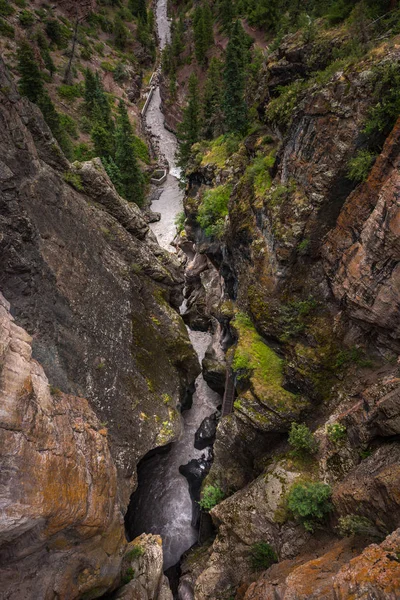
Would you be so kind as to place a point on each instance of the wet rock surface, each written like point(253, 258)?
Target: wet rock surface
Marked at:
point(205, 435)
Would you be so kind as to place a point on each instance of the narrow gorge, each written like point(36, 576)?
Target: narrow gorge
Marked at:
point(200, 300)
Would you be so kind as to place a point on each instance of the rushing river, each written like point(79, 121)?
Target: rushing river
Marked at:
point(162, 503)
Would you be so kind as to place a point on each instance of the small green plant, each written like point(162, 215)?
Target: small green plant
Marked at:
point(135, 552)
point(382, 116)
point(360, 166)
point(6, 29)
point(310, 503)
point(280, 109)
point(303, 246)
point(262, 556)
point(302, 440)
point(55, 391)
point(365, 453)
point(357, 525)
point(210, 497)
point(26, 18)
point(5, 8)
point(336, 432)
point(180, 222)
point(74, 179)
point(213, 210)
point(128, 576)
point(70, 92)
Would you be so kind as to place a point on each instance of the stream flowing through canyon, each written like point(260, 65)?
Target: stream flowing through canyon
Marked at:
point(162, 503)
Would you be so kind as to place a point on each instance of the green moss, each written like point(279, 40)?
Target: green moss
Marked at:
point(259, 173)
point(218, 151)
point(254, 359)
point(73, 179)
point(135, 552)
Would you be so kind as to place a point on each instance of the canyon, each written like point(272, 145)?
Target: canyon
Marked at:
point(142, 366)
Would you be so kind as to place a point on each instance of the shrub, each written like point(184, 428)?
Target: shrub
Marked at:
point(69, 125)
point(280, 109)
point(310, 503)
point(6, 29)
point(357, 525)
point(5, 8)
point(336, 432)
point(74, 180)
point(360, 166)
point(128, 576)
point(141, 150)
point(382, 116)
point(82, 152)
point(302, 440)
point(210, 497)
point(262, 556)
point(26, 18)
point(180, 222)
point(70, 92)
point(58, 34)
point(213, 210)
point(120, 74)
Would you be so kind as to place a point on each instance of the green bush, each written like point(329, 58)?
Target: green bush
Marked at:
point(213, 210)
point(5, 8)
point(383, 115)
point(128, 576)
point(360, 166)
point(141, 149)
point(82, 152)
point(210, 497)
point(180, 222)
point(310, 503)
point(70, 92)
point(69, 125)
point(6, 29)
point(74, 180)
point(280, 109)
point(262, 556)
point(302, 440)
point(120, 74)
point(336, 432)
point(26, 18)
point(357, 525)
point(59, 34)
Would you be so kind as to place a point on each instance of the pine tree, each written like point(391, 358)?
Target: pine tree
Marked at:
point(31, 82)
point(235, 107)
point(189, 129)
point(212, 108)
point(266, 14)
point(125, 158)
point(139, 9)
point(227, 14)
point(200, 36)
point(90, 91)
point(208, 25)
point(120, 33)
point(114, 174)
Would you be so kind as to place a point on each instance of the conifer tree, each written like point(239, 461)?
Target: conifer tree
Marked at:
point(212, 108)
point(266, 14)
point(208, 25)
point(189, 129)
point(227, 14)
point(200, 36)
point(120, 33)
point(31, 82)
point(139, 9)
point(125, 158)
point(235, 107)
point(114, 174)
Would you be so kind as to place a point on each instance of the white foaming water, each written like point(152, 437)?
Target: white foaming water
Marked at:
point(162, 502)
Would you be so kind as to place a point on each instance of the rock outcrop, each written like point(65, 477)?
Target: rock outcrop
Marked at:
point(87, 280)
point(61, 530)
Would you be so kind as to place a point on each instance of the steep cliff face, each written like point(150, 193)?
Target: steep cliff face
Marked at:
point(98, 299)
point(61, 527)
point(87, 280)
point(309, 260)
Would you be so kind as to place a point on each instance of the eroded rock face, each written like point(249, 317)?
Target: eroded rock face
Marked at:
point(362, 252)
point(61, 529)
point(89, 283)
point(143, 564)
